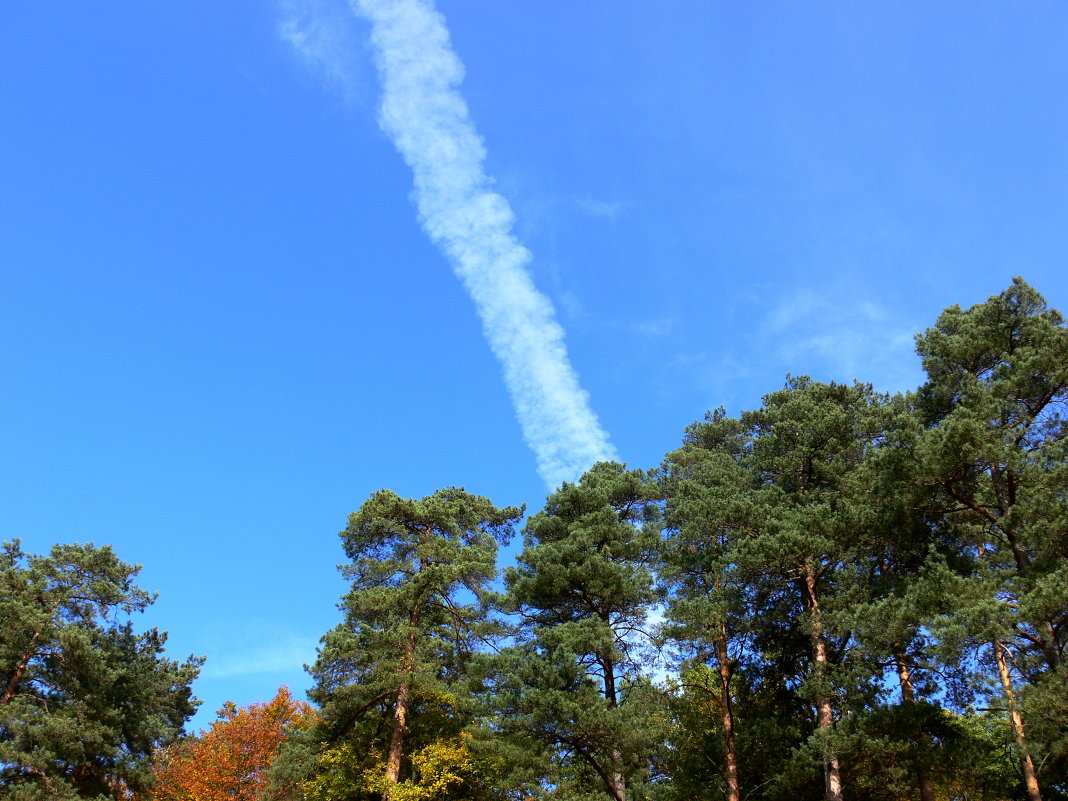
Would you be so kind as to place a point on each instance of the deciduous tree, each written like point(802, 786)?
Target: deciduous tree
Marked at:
point(231, 761)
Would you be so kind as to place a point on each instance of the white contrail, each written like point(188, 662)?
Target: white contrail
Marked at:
point(424, 114)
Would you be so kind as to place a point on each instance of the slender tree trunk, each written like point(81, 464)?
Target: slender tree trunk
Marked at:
point(832, 772)
point(20, 670)
point(730, 746)
point(396, 740)
point(1027, 765)
point(908, 697)
point(400, 710)
point(617, 784)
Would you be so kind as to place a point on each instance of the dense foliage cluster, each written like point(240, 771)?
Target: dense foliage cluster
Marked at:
point(84, 700)
point(230, 761)
point(841, 594)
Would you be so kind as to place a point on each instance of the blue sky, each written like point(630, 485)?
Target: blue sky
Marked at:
point(222, 325)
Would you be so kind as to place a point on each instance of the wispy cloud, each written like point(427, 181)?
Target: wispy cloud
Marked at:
point(655, 327)
point(602, 209)
point(424, 114)
point(262, 651)
point(324, 34)
point(845, 337)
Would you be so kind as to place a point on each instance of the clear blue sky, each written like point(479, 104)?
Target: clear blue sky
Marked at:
point(222, 327)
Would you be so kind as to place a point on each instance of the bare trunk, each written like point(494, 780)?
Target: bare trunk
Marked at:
point(832, 772)
point(904, 675)
point(908, 696)
point(1027, 765)
point(396, 740)
point(20, 670)
point(730, 746)
point(617, 784)
point(400, 710)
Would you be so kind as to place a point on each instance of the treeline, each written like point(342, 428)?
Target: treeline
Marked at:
point(841, 594)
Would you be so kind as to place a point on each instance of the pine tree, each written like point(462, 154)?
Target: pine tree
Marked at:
point(709, 490)
point(995, 451)
point(387, 677)
point(84, 699)
point(809, 444)
point(583, 587)
point(890, 610)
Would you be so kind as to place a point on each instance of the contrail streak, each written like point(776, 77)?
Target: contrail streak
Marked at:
point(427, 119)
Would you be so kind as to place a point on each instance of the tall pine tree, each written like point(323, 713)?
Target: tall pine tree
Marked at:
point(583, 587)
point(708, 491)
point(995, 450)
point(84, 699)
point(387, 678)
point(810, 442)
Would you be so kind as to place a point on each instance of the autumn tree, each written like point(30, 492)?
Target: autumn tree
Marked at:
point(231, 760)
point(84, 698)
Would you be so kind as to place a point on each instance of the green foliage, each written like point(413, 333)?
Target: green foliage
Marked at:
point(900, 537)
point(417, 611)
point(84, 699)
point(838, 570)
point(709, 506)
point(996, 454)
point(410, 559)
point(573, 688)
point(771, 724)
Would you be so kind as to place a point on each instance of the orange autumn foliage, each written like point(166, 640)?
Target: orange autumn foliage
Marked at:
point(229, 762)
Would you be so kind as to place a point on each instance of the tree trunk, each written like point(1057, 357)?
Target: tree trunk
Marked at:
point(617, 785)
point(1027, 765)
point(400, 710)
point(908, 696)
point(20, 670)
point(730, 746)
point(396, 740)
point(832, 772)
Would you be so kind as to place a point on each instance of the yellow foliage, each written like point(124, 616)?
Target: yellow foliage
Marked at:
point(443, 769)
point(439, 770)
point(339, 773)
